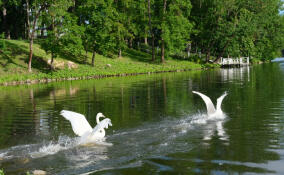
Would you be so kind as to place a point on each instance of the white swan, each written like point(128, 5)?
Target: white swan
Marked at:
point(211, 111)
point(82, 128)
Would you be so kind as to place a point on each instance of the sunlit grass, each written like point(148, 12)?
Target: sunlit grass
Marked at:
point(13, 64)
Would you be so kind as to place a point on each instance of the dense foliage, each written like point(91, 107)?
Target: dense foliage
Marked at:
point(179, 28)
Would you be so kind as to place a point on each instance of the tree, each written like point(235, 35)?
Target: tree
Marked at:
point(33, 12)
point(119, 31)
point(56, 17)
point(269, 34)
point(98, 20)
point(10, 11)
point(4, 12)
point(236, 27)
point(151, 30)
point(173, 25)
point(71, 38)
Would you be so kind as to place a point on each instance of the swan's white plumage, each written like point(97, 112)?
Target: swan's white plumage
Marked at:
point(78, 121)
point(82, 128)
point(219, 101)
point(211, 111)
point(209, 105)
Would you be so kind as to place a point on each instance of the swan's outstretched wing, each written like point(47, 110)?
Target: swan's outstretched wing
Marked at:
point(78, 121)
point(219, 101)
point(209, 105)
point(102, 125)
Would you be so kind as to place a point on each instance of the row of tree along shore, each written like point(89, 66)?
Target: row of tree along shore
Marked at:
point(163, 28)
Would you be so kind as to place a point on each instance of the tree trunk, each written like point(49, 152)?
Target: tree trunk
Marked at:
point(4, 11)
point(93, 58)
point(29, 37)
point(188, 49)
point(7, 31)
point(153, 47)
point(162, 39)
point(208, 55)
point(163, 51)
point(30, 55)
point(130, 42)
point(86, 55)
point(26, 30)
point(42, 32)
point(119, 53)
point(51, 62)
point(8, 34)
point(146, 41)
point(150, 25)
point(31, 32)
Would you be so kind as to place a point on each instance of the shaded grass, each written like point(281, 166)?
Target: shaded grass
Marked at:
point(13, 64)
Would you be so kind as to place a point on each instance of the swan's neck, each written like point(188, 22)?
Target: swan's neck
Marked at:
point(218, 108)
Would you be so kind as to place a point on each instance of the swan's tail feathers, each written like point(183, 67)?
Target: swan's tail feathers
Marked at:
point(103, 125)
point(220, 99)
point(78, 121)
point(209, 105)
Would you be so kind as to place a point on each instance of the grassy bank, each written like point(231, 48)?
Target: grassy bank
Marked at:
point(13, 65)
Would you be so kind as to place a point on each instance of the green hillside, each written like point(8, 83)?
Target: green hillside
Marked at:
point(14, 67)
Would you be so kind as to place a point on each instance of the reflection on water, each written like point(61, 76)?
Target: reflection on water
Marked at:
point(210, 127)
point(235, 74)
point(158, 124)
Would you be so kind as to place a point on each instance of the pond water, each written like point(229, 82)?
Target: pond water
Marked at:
point(158, 127)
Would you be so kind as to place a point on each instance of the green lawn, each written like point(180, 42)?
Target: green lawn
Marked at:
point(13, 64)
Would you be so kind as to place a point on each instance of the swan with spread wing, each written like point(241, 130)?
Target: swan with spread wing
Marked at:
point(215, 116)
point(82, 128)
point(211, 110)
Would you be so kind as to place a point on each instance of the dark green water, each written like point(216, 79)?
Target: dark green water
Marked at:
point(156, 127)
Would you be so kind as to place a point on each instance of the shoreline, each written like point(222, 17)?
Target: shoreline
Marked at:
point(49, 80)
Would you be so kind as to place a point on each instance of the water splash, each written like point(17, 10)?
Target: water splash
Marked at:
point(2, 155)
point(52, 147)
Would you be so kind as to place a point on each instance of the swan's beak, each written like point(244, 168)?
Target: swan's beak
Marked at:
point(103, 116)
point(110, 124)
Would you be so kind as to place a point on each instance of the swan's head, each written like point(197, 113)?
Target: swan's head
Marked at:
point(108, 122)
point(225, 93)
point(99, 115)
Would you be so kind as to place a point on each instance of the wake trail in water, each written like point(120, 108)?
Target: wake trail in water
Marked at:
point(153, 139)
point(166, 130)
point(125, 147)
point(44, 148)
